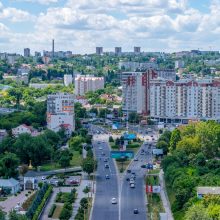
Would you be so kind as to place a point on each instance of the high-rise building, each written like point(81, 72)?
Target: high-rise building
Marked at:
point(60, 112)
point(68, 79)
point(118, 50)
point(179, 64)
point(53, 48)
point(37, 54)
point(99, 50)
point(84, 84)
point(137, 49)
point(135, 91)
point(27, 52)
point(186, 99)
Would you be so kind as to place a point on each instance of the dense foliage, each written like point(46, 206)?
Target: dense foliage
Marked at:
point(192, 161)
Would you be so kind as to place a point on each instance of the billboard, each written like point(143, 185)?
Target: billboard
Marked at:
point(121, 154)
point(152, 189)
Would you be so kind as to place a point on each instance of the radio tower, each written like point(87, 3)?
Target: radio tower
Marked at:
point(53, 48)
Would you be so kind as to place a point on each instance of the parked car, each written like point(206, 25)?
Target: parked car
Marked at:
point(136, 211)
point(114, 201)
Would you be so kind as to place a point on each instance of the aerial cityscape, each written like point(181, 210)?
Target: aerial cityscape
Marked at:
point(109, 110)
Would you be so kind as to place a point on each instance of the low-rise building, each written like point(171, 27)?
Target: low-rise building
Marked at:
point(207, 190)
point(21, 129)
point(10, 184)
point(30, 180)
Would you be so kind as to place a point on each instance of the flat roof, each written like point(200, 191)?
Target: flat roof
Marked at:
point(209, 190)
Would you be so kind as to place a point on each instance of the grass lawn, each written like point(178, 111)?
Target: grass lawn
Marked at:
point(57, 212)
point(125, 165)
point(155, 206)
point(152, 180)
point(76, 161)
point(156, 171)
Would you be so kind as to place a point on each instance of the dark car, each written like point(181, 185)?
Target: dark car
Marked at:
point(106, 166)
point(143, 166)
point(105, 160)
point(107, 177)
point(128, 171)
point(128, 179)
point(136, 211)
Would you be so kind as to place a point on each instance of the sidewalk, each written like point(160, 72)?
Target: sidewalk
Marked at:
point(164, 196)
point(80, 194)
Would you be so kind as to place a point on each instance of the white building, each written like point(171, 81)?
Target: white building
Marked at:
point(21, 129)
point(84, 84)
point(135, 91)
point(185, 99)
point(68, 79)
point(179, 64)
point(60, 112)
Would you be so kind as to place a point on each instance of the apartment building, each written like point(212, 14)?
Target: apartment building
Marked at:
point(186, 99)
point(68, 79)
point(60, 112)
point(135, 91)
point(84, 84)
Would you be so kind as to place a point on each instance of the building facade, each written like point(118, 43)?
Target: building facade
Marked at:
point(99, 50)
point(60, 112)
point(137, 49)
point(118, 50)
point(68, 79)
point(84, 84)
point(27, 52)
point(185, 99)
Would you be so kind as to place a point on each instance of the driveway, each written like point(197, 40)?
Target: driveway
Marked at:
point(12, 201)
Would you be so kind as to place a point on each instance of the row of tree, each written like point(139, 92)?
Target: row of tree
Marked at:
point(192, 161)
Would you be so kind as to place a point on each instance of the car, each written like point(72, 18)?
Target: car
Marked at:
point(132, 185)
point(100, 148)
point(142, 153)
point(43, 178)
point(105, 160)
point(128, 179)
point(136, 159)
point(106, 166)
point(103, 141)
point(136, 211)
point(107, 176)
point(114, 201)
point(128, 171)
point(143, 166)
point(55, 177)
point(99, 142)
point(133, 173)
point(103, 153)
point(131, 181)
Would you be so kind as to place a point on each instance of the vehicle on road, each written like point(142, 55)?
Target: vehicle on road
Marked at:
point(133, 173)
point(43, 178)
point(142, 153)
point(131, 181)
point(136, 159)
point(103, 153)
point(114, 201)
point(128, 179)
point(100, 148)
point(128, 171)
point(107, 177)
point(105, 160)
point(136, 211)
point(106, 166)
point(99, 142)
point(143, 166)
point(132, 185)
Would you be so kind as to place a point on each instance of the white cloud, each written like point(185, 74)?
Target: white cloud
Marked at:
point(15, 15)
point(43, 2)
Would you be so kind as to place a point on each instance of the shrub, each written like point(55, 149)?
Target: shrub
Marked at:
point(66, 212)
point(28, 202)
point(52, 209)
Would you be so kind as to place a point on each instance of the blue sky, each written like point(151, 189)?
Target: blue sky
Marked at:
point(80, 25)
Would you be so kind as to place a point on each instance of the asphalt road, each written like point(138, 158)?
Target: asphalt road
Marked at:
point(132, 198)
point(106, 189)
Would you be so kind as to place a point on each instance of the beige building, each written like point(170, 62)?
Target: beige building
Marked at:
point(185, 99)
point(84, 84)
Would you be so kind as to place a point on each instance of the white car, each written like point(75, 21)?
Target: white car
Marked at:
point(132, 185)
point(136, 159)
point(114, 201)
point(100, 148)
point(131, 181)
point(43, 178)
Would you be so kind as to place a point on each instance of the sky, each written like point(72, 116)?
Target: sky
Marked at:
point(81, 25)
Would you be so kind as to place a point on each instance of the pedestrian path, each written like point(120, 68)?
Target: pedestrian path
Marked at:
point(164, 196)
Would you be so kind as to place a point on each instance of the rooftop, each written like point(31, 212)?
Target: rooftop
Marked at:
point(208, 190)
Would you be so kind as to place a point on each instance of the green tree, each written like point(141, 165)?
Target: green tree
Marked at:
point(174, 139)
point(163, 145)
point(133, 117)
point(76, 142)
point(197, 212)
point(2, 215)
point(89, 165)
point(65, 158)
point(8, 165)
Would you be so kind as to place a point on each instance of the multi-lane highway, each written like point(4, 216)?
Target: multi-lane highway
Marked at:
point(134, 198)
point(106, 189)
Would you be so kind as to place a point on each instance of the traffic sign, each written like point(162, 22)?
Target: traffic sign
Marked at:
point(122, 154)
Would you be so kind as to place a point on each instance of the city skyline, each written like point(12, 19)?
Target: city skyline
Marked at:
point(156, 25)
